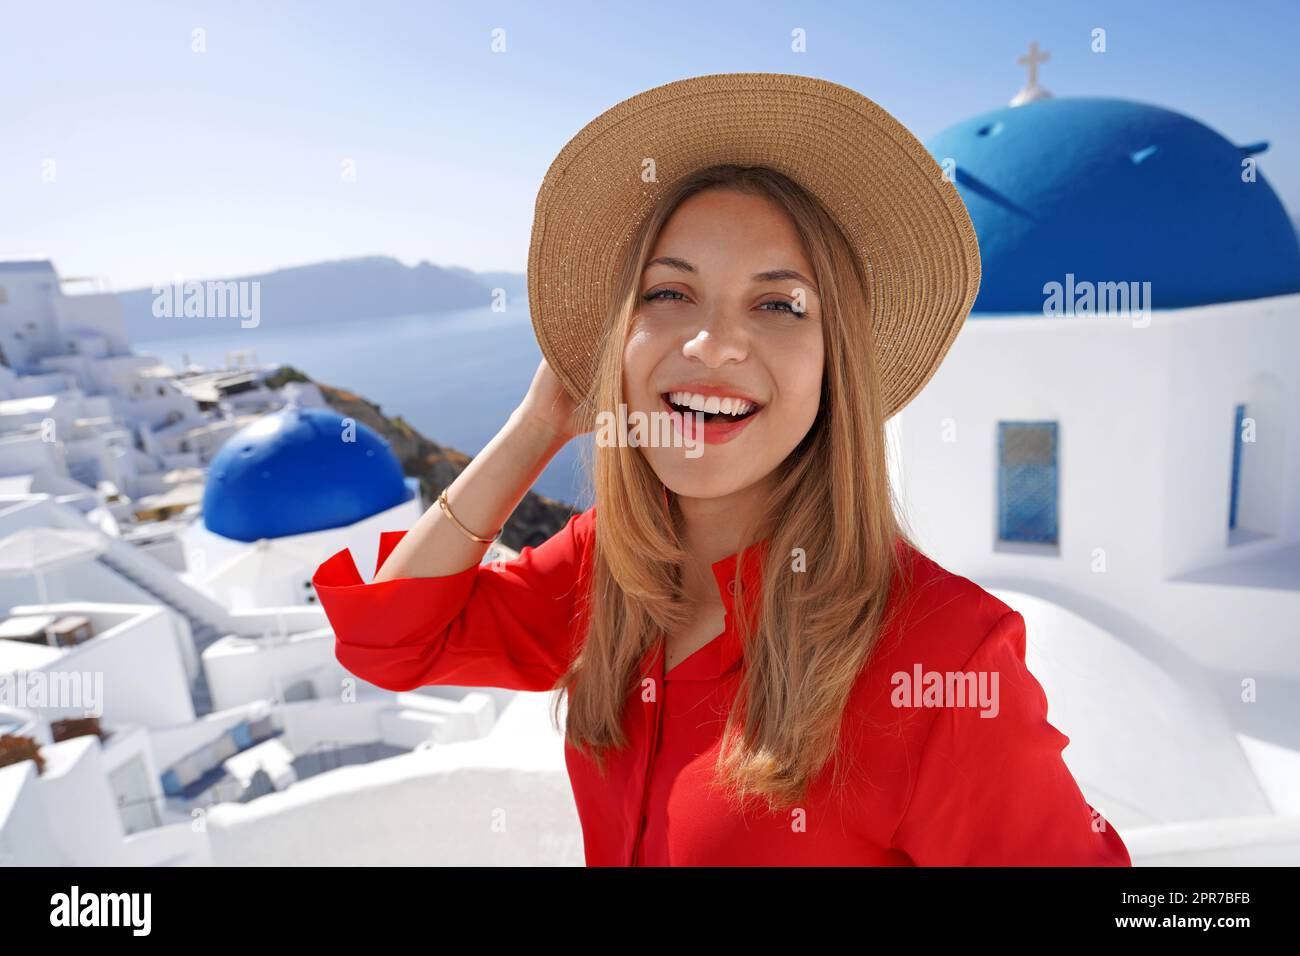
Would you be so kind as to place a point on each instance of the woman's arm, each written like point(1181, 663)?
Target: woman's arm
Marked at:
point(512, 625)
point(433, 614)
point(994, 790)
point(486, 493)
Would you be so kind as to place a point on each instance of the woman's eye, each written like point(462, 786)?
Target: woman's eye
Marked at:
point(782, 306)
point(661, 293)
point(673, 295)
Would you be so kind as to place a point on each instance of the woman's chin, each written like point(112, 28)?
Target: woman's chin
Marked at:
point(697, 477)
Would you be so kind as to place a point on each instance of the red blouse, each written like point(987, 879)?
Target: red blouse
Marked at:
point(927, 785)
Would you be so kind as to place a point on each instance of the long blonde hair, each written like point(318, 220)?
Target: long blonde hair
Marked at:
point(815, 630)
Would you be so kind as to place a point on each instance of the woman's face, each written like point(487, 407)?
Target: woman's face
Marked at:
point(726, 309)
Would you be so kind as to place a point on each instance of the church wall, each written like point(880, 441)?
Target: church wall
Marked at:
point(1248, 353)
point(1145, 454)
point(1104, 381)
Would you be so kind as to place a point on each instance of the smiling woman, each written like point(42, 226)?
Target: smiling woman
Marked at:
point(707, 325)
point(728, 634)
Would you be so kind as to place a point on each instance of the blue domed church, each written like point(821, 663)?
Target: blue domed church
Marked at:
point(1112, 443)
point(286, 491)
point(297, 471)
point(1110, 190)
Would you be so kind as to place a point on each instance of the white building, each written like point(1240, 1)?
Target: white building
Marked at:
point(155, 672)
point(1126, 471)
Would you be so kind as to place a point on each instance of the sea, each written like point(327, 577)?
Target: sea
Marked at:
point(454, 376)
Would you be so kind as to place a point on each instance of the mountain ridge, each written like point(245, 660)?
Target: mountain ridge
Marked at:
point(321, 293)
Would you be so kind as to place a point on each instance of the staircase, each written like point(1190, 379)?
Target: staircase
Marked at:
point(208, 620)
point(204, 636)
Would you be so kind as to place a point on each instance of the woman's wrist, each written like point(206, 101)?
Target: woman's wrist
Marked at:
point(481, 499)
point(531, 428)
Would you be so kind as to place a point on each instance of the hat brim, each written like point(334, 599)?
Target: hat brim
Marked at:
point(902, 217)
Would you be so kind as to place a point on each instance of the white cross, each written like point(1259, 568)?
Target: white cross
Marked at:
point(1031, 60)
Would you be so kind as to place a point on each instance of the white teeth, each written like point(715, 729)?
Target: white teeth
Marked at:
point(711, 403)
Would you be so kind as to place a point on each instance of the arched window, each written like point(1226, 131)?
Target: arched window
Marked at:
point(1256, 496)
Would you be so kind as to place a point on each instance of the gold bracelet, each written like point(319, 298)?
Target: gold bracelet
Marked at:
point(442, 501)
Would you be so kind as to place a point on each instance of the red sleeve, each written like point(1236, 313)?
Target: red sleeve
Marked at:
point(994, 791)
point(508, 624)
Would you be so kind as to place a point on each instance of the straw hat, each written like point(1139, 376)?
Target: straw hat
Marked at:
point(889, 196)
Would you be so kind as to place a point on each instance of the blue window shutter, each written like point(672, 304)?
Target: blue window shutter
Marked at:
point(1028, 482)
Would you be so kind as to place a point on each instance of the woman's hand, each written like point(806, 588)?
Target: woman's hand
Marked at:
point(549, 406)
point(486, 493)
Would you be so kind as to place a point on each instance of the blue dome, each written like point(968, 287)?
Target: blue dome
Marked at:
point(300, 470)
point(1115, 191)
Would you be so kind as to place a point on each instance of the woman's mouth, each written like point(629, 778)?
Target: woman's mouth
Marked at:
point(719, 426)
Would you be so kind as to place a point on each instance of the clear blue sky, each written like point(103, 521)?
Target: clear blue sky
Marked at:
point(175, 164)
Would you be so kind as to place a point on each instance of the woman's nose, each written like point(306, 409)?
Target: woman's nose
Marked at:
point(720, 338)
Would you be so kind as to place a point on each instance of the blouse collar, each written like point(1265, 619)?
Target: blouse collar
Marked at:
point(718, 656)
